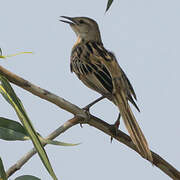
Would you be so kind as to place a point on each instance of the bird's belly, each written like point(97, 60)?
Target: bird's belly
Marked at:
point(92, 82)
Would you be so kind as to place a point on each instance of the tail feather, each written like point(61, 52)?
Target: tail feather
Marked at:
point(132, 126)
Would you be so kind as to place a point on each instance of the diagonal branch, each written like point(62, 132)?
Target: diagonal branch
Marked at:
point(79, 113)
point(42, 93)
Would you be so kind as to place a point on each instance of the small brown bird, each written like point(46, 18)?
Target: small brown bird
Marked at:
point(99, 70)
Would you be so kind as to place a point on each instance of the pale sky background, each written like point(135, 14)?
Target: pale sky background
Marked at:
point(144, 35)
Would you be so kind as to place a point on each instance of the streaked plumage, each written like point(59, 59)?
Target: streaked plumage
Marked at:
point(98, 69)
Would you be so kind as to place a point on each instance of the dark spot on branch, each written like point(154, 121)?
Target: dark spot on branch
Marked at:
point(46, 92)
point(26, 84)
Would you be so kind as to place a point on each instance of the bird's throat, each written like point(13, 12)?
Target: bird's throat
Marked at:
point(79, 40)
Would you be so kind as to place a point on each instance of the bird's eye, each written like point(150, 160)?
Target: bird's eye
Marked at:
point(81, 21)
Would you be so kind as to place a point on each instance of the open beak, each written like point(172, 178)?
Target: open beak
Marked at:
point(71, 20)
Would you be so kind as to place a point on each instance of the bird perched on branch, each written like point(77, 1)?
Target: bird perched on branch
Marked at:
point(99, 70)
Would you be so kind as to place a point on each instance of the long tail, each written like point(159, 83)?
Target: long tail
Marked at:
point(132, 126)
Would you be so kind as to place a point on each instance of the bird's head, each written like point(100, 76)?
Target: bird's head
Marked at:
point(85, 28)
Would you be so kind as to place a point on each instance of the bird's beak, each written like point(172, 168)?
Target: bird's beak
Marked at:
point(71, 22)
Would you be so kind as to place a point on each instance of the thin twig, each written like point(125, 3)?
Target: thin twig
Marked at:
point(33, 151)
point(93, 121)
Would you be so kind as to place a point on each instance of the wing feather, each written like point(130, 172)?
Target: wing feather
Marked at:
point(87, 58)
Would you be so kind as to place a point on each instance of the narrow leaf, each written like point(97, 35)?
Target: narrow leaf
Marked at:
point(2, 171)
point(11, 55)
point(109, 3)
point(11, 130)
point(27, 177)
point(9, 94)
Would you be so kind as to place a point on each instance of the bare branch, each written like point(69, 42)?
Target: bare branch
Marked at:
point(93, 121)
point(42, 93)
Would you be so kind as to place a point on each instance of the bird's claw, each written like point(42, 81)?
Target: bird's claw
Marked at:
point(114, 127)
point(86, 110)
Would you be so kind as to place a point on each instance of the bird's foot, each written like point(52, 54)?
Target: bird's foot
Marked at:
point(84, 120)
point(114, 127)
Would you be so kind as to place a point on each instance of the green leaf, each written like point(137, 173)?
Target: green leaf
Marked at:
point(9, 94)
point(27, 177)
point(2, 171)
point(109, 3)
point(11, 55)
point(58, 143)
point(11, 130)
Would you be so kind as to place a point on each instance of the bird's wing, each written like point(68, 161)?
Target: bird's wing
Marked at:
point(88, 67)
point(89, 60)
point(99, 70)
point(122, 92)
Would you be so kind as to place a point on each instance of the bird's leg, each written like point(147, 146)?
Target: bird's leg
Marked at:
point(87, 108)
point(94, 102)
point(115, 126)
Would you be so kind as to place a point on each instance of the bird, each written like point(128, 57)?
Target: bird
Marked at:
point(99, 70)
